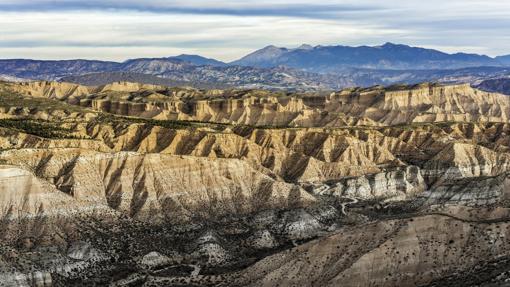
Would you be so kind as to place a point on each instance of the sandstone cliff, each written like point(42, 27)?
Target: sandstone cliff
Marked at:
point(373, 106)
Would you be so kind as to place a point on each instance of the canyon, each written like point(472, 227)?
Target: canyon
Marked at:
point(131, 184)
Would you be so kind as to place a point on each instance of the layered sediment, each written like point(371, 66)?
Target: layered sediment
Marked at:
point(372, 106)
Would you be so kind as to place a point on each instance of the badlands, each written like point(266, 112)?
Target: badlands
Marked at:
point(132, 184)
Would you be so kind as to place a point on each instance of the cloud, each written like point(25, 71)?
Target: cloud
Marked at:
point(230, 8)
point(225, 37)
point(228, 29)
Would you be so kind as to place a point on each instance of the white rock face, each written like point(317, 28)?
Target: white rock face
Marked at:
point(41, 279)
point(34, 279)
point(302, 226)
point(25, 193)
point(163, 180)
point(482, 192)
point(80, 250)
point(17, 185)
point(396, 184)
point(155, 259)
point(462, 160)
point(214, 253)
point(262, 239)
point(14, 279)
point(209, 247)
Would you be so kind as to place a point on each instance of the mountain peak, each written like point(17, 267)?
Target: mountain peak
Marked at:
point(331, 59)
point(271, 47)
point(305, 47)
point(393, 45)
point(264, 55)
point(199, 60)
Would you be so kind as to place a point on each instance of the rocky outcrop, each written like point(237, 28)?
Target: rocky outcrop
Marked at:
point(396, 184)
point(462, 160)
point(51, 90)
point(23, 194)
point(154, 260)
point(82, 251)
point(480, 191)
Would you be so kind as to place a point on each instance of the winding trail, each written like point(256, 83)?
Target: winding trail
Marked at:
point(344, 204)
point(196, 270)
point(324, 188)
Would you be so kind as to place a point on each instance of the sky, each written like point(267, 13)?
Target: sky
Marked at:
point(229, 29)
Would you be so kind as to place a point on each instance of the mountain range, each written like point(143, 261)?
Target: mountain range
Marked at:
point(305, 67)
point(505, 60)
point(324, 59)
point(497, 85)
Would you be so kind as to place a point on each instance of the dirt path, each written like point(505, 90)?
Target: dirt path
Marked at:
point(344, 204)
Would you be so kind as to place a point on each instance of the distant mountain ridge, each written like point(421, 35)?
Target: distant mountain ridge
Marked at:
point(304, 67)
point(504, 59)
point(100, 79)
point(326, 59)
point(498, 85)
point(199, 60)
point(290, 79)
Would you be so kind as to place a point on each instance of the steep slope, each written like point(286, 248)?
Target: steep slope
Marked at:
point(154, 187)
point(388, 253)
point(501, 85)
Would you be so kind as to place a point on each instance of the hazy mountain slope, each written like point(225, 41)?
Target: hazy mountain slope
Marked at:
point(504, 59)
point(369, 77)
point(50, 70)
point(199, 60)
point(173, 69)
point(325, 59)
point(265, 57)
point(501, 85)
point(303, 68)
point(180, 72)
point(99, 79)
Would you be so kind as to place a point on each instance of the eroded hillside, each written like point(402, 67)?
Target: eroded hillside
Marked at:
point(143, 185)
point(368, 107)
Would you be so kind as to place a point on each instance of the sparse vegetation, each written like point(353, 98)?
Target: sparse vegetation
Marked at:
point(39, 128)
point(170, 124)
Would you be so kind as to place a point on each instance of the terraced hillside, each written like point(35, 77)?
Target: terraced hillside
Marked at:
point(141, 185)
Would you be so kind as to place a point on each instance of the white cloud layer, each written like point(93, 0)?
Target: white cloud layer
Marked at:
point(228, 29)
